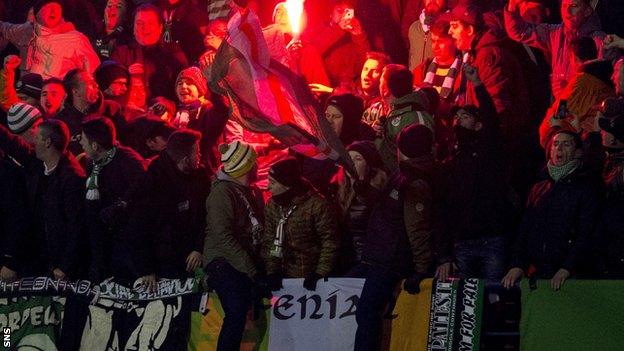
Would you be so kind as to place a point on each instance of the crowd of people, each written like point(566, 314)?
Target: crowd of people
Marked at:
point(486, 140)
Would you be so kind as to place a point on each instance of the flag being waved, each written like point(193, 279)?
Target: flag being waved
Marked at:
point(267, 97)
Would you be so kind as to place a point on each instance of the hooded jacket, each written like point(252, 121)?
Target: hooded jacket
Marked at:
point(51, 52)
point(229, 230)
point(555, 42)
point(586, 90)
point(406, 110)
point(476, 192)
point(501, 74)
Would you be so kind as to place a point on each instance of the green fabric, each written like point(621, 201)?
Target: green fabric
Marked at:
point(559, 172)
point(92, 182)
point(401, 116)
point(229, 233)
point(583, 315)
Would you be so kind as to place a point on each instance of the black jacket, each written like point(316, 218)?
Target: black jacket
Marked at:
point(186, 22)
point(210, 120)
point(169, 218)
point(57, 200)
point(399, 229)
point(102, 107)
point(476, 193)
point(110, 249)
point(557, 227)
point(161, 64)
point(15, 230)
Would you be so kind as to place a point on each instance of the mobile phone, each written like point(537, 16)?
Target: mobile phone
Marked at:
point(562, 109)
point(348, 14)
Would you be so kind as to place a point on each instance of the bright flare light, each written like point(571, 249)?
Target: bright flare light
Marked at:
point(294, 8)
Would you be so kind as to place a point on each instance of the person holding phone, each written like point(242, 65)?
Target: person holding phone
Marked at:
point(342, 43)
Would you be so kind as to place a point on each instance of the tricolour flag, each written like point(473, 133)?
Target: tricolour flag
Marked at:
point(267, 97)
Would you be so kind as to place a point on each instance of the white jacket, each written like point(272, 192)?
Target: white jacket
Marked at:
point(50, 53)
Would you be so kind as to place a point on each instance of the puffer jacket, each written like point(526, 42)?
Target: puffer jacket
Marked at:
point(51, 53)
point(310, 241)
point(406, 110)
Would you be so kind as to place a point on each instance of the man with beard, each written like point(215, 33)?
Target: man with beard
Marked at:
point(83, 100)
point(420, 32)
point(478, 213)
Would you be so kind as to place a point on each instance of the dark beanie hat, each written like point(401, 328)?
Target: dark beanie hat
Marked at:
point(287, 172)
point(612, 120)
point(41, 3)
point(351, 106)
point(415, 140)
point(108, 71)
point(368, 150)
point(30, 84)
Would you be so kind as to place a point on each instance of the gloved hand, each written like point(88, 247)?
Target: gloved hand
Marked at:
point(412, 284)
point(310, 281)
point(274, 281)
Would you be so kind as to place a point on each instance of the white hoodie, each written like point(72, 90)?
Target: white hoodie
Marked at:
point(48, 52)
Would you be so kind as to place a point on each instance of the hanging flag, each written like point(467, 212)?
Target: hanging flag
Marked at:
point(267, 97)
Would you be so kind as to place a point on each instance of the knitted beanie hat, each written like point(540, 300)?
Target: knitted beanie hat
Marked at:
point(287, 172)
point(108, 72)
point(41, 3)
point(195, 75)
point(415, 140)
point(21, 116)
point(237, 158)
point(30, 84)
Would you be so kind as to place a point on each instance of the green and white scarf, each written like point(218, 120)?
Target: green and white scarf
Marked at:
point(92, 182)
point(559, 172)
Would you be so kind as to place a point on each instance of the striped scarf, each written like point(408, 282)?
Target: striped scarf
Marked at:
point(92, 182)
point(276, 250)
point(449, 80)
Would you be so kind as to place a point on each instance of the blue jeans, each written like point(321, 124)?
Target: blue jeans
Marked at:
point(481, 258)
point(377, 292)
point(234, 291)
